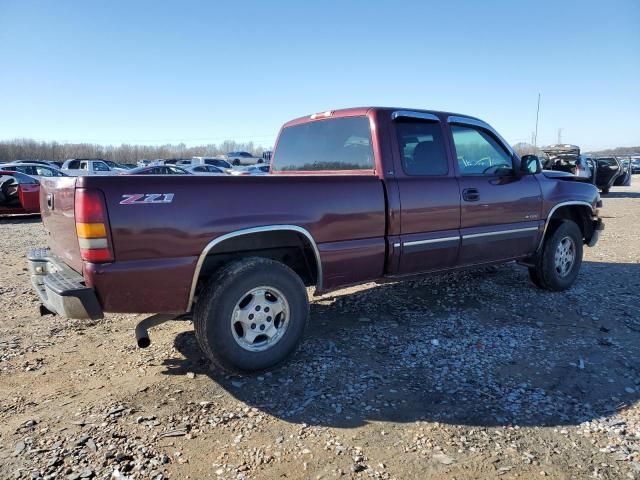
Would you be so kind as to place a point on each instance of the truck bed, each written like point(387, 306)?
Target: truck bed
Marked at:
point(157, 245)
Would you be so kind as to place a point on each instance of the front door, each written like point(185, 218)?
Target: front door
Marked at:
point(500, 212)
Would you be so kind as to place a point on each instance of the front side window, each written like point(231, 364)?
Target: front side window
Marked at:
point(479, 153)
point(44, 172)
point(100, 167)
point(421, 147)
point(333, 144)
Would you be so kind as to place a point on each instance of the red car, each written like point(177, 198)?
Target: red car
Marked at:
point(19, 193)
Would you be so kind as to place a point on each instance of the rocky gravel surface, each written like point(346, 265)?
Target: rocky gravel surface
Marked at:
point(470, 375)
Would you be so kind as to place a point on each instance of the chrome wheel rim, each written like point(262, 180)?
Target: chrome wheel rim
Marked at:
point(565, 256)
point(260, 319)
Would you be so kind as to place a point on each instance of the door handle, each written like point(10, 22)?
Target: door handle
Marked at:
point(471, 194)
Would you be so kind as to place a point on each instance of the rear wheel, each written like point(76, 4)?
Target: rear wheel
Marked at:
point(559, 261)
point(252, 315)
point(605, 191)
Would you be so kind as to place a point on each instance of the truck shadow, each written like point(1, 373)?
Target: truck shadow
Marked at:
point(21, 218)
point(467, 349)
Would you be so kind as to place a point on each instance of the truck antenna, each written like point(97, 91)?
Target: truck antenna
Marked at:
point(535, 138)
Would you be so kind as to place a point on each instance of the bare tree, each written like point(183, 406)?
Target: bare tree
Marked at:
point(28, 149)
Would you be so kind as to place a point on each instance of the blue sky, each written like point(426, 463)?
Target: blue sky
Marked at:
point(155, 72)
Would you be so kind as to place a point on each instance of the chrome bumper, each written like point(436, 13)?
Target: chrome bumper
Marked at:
point(61, 289)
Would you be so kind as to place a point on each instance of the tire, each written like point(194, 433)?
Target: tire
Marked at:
point(557, 265)
point(229, 345)
point(605, 190)
point(236, 162)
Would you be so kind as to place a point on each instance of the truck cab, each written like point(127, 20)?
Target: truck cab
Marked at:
point(86, 166)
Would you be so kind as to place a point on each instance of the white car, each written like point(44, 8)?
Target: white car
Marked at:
point(243, 158)
point(79, 167)
point(251, 170)
point(35, 170)
point(204, 170)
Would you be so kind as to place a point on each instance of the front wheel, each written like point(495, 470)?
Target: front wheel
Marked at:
point(558, 264)
point(252, 315)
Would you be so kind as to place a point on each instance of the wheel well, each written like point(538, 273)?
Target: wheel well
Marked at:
point(289, 247)
point(579, 214)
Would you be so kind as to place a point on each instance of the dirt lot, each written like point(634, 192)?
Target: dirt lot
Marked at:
point(473, 375)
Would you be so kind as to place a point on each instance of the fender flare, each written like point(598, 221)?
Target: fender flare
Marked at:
point(248, 231)
point(553, 210)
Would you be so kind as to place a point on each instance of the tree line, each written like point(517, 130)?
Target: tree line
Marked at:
point(27, 149)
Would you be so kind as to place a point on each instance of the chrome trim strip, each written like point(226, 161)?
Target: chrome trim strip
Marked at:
point(248, 231)
point(396, 245)
point(479, 123)
point(409, 114)
point(552, 211)
point(431, 240)
point(501, 232)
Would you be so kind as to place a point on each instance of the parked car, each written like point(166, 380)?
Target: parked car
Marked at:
point(158, 170)
point(19, 193)
point(88, 167)
point(355, 196)
point(204, 170)
point(243, 158)
point(48, 163)
point(608, 171)
point(624, 179)
point(115, 167)
point(35, 170)
point(635, 165)
point(214, 161)
point(567, 158)
point(251, 170)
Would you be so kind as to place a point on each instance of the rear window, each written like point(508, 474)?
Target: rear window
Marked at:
point(333, 144)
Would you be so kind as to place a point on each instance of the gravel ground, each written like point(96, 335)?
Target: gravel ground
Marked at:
point(473, 375)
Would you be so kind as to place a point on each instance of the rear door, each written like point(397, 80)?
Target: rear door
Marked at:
point(429, 194)
point(500, 213)
point(608, 171)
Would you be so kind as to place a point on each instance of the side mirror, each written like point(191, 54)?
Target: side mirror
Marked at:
point(530, 165)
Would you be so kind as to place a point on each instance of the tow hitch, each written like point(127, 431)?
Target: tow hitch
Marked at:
point(142, 328)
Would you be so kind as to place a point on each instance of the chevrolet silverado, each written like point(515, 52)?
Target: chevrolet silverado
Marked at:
point(354, 195)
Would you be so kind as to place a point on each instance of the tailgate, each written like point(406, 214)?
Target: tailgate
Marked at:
point(57, 196)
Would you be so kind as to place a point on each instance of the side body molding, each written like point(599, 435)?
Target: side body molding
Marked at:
point(552, 211)
point(248, 231)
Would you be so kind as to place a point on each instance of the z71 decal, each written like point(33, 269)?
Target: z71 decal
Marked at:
point(146, 198)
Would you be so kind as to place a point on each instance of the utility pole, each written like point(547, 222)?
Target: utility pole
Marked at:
point(535, 141)
point(559, 135)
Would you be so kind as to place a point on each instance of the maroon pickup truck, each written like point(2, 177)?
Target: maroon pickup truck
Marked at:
point(355, 195)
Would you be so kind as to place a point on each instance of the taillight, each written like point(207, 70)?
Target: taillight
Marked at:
point(92, 226)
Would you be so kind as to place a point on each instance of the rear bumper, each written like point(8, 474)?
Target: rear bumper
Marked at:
point(61, 289)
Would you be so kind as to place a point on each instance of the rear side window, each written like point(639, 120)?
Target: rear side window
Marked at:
point(422, 148)
point(334, 144)
point(75, 164)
